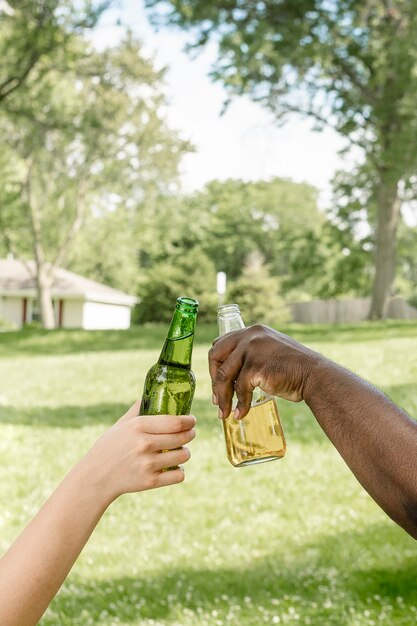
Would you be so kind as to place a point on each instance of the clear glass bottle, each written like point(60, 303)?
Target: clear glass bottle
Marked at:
point(170, 383)
point(258, 437)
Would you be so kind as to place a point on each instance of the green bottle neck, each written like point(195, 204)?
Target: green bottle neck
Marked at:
point(178, 346)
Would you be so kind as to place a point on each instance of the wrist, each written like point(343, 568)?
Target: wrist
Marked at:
point(318, 374)
point(89, 480)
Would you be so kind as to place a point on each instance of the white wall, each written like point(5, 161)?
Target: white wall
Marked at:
point(72, 314)
point(76, 314)
point(11, 309)
point(98, 315)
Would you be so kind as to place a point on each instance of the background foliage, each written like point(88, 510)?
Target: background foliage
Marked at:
point(347, 64)
point(89, 171)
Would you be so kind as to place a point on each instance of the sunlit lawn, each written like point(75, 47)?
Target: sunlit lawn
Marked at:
point(291, 542)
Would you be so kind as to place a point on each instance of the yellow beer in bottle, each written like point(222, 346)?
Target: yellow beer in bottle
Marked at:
point(258, 437)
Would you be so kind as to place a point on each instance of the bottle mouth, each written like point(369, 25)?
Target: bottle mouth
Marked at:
point(228, 309)
point(187, 304)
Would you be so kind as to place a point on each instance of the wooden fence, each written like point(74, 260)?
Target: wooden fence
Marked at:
point(346, 311)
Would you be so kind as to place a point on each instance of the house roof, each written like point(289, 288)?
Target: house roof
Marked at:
point(17, 278)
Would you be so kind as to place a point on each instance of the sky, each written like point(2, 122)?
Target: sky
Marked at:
point(244, 142)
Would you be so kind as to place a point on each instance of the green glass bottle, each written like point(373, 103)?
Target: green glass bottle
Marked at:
point(170, 383)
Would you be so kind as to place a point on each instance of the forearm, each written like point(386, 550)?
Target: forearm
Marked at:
point(125, 459)
point(377, 440)
point(37, 563)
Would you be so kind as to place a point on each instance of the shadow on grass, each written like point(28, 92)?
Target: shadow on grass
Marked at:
point(63, 416)
point(80, 416)
point(304, 584)
point(299, 423)
point(34, 342)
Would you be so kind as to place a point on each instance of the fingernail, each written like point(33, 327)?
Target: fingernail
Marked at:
point(194, 418)
point(236, 414)
point(220, 414)
point(214, 398)
point(188, 452)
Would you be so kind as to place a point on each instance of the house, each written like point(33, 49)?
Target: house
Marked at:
point(78, 301)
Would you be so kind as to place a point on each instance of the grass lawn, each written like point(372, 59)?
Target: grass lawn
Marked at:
point(296, 541)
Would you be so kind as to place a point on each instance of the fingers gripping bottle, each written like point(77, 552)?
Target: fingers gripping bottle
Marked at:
point(170, 383)
point(258, 437)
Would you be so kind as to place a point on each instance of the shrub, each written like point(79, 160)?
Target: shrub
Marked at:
point(191, 274)
point(257, 294)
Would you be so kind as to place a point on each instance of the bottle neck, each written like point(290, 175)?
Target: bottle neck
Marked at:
point(178, 346)
point(229, 318)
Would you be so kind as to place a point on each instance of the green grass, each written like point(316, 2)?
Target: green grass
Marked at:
point(297, 541)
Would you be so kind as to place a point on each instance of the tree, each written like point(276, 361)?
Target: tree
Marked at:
point(241, 218)
point(257, 293)
point(188, 273)
point(33, 32)
point(223, 227)
point(107, 249)
point(350, 63)
point(92, 142)
point(407, 266)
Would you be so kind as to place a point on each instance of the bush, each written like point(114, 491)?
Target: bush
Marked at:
point(191, 274)
point(412, 300)
point(256, 293)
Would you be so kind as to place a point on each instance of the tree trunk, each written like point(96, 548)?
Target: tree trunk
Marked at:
point(44, 282)
point(386, 235)
point(44, 272)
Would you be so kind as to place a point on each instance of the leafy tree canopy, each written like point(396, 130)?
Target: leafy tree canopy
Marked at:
point(41, 31)
point(348, 63)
